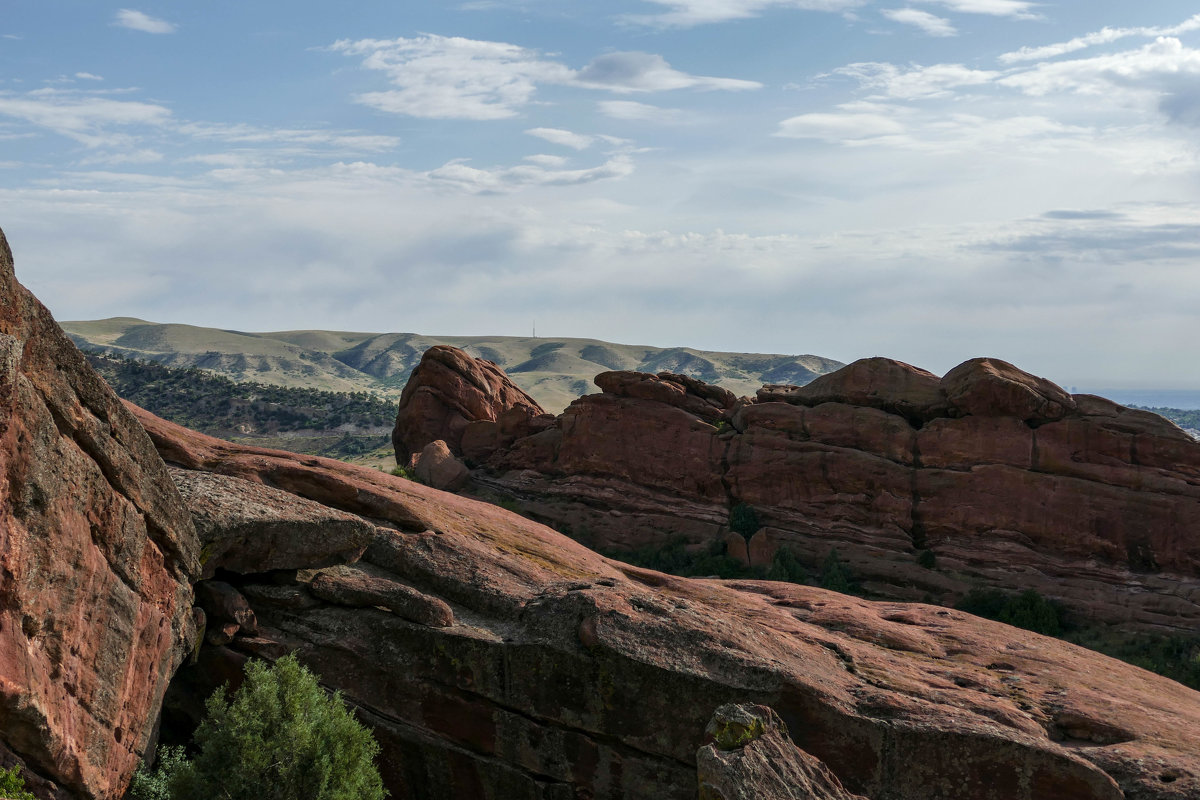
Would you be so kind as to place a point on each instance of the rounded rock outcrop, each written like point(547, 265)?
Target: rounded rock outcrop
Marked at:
point(446, 392)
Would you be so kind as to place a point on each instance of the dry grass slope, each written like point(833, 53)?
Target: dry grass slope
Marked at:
point(553, 371)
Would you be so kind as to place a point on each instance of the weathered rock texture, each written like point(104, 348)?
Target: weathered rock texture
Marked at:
point(97, 552)
point(247, 527)
point(1009, 480)
point(561, 674)
point(453, 390)
point(751, 757)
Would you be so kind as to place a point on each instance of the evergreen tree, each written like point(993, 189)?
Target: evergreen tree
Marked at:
point(279, 737)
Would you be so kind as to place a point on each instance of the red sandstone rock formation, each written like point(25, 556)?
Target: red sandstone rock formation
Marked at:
point(552, 672)
point(97, 552)
point(1010, 481)
point(447, 390)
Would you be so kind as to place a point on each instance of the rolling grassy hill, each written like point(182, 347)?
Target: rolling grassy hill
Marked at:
point(553, 371)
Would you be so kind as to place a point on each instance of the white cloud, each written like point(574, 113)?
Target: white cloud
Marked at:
point(343, 141)
point(87, 76)
point(687, 13)
point(508, 179)
point(441, 77)
point(137, 21)
point(444, 77)
point(1147, 71)
point(1102, 36)
point(577, 141)
point(930, 23)
point(1161, 76)
point(916, 81)
point(234, 159)
point(647, 72)
point(842, 128)
point(145, 156)
point(639, 112)
point(86, 118)
point(544, 160)
point(1019, 9)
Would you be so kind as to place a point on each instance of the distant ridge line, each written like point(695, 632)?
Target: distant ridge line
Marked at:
point(554, 371)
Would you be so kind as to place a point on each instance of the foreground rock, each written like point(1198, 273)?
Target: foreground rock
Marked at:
point(97, 552)
point(563, 674)
point(1006, 479)
point(247, 527)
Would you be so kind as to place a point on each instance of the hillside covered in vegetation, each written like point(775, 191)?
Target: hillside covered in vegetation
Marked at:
point(335, 424)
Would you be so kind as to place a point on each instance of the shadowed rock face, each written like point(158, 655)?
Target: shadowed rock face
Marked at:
point(97, 552)
point(1009, 480)
point(452, 390)
point(496, 658)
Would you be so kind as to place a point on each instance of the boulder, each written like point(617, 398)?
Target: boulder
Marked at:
point(436, 466)
point(248, 527)
point(224, 605)
point(448, 390)
point(989, 387)
point(882, 383)
point(97, 555)
point(696, 397)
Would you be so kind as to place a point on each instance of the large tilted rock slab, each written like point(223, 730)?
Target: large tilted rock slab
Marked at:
point(1011, 482)
point(247, 527)
point(562, 674)
point(97, 552)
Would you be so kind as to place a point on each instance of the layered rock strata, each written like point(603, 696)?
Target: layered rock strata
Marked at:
point(97, 555)
point(1009, 481)
point(496, 658)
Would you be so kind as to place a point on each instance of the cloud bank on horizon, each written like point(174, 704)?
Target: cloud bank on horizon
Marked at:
point(930, 180)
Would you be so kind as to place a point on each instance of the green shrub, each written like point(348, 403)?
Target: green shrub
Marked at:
point(786, 567)
point(156, 785)
point(1031, 611)
point(836, 576)
point(1177, 656)
point(677, 558)
point(1028, 610)
point(279, 737)
point(408, 473)
point(12, 785)
point(927, 559)
point(743, 519)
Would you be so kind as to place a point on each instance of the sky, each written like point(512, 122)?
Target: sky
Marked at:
point(929, 180)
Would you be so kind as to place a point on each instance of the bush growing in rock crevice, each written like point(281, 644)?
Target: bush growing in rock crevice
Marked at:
point(743, 519)
point(12, 785)
point(278, 737)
